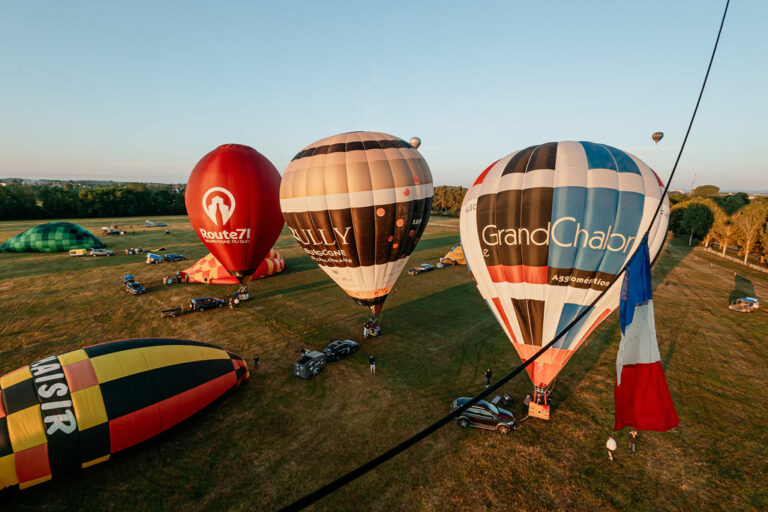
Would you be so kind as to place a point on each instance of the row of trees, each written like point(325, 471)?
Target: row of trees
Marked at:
point(70, 200)
point(448, 200)
point(707, 219)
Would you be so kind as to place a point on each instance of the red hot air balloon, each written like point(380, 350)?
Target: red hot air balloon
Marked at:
point(657, 136)
point(233, 203)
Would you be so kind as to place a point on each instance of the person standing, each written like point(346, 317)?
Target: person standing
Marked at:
point(488, 375)
point(527, 403)
point(633, 442)
point(372, 361)
point(611, 445)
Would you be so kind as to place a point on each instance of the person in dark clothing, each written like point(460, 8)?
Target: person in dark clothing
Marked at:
point(633, 442)
point(488, 375)
point(526, 403)
point(372, 361)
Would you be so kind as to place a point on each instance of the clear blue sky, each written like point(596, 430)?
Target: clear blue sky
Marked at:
point(142, 90)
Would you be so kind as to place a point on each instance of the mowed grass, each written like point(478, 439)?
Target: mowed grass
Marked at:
point(280, 437)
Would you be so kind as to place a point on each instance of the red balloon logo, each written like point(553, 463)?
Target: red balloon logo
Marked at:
point(233, 203)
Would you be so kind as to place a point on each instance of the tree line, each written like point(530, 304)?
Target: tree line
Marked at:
point(728, 221)
point(68, 200)
point(447, 200)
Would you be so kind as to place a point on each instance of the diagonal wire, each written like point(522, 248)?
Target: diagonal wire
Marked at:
point(343, 480)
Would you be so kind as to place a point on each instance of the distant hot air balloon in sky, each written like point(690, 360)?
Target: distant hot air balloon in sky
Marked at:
point(657, 136)
point(415, 142)
point(546, 229)
point(76, 409)
point(358, 203)
point(233, 203)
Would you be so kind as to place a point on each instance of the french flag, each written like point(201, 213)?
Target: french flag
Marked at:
point(641, 396)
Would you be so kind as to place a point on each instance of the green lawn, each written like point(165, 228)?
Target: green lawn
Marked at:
point(280, 437)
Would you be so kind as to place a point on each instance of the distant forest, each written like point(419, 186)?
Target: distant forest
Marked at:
point(69, 200)
point(730, 222)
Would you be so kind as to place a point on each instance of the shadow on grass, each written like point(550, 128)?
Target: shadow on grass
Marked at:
point(742, 287)
point(675, 251)
point(293, 289)
point(431, 243)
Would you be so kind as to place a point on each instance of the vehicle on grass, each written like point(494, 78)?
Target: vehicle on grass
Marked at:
point(484, 415)
point(309, 364)
point(424, 267)
point(172, 256)
point(160, 224)
point(101, 252)
point(134, 288)
point(340, 348)
point(78, 252)
point(204, 303)
point(154, 259)
point(745, 304)
point(171, 313)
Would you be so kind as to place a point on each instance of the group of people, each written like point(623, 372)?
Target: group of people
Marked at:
point(611, 445)
point(371, 328)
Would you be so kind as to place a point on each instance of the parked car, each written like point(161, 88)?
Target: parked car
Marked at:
point(102, 252)
point(309, 364)
point(484, 415)
point(134, 288)
point(174, 257)
point(340, 348)
point(160, 224)
point(203, 303)
point(745, 304)
point(424, 267)
point(171, 313)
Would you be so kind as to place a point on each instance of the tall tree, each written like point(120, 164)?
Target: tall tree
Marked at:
point(705, 190)
point(749, 221)
point(694, 217)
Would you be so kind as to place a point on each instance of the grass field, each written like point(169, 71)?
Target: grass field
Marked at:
point(280, 437)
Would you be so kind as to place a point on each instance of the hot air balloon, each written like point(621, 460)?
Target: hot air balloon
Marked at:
point(358, 203)
point(657, 136)
point(415, 142)
point(75, 409)
point(233, 204)
point(546, 229)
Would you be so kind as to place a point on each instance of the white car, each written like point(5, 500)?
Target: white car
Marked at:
point(102, 252)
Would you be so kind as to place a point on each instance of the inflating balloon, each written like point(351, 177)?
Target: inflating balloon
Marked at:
point(233, 204)
point(74, 410)
point(546, 229)
point(358, 203)
point(657, 136)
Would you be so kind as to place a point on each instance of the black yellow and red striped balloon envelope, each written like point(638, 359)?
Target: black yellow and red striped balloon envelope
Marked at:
point(75, 409)
point(357, 203)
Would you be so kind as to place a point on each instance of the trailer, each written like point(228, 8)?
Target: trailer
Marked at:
point(310, 364)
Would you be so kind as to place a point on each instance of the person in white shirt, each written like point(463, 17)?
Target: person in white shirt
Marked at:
point(611, 445)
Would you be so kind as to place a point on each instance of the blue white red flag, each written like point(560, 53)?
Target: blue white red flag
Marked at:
point(641, 396)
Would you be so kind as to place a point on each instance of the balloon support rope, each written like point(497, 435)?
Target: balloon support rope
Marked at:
point(372, 464)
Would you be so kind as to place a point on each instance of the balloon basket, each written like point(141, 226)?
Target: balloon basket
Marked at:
point(540, 411)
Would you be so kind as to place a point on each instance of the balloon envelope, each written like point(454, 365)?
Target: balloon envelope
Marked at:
point(546, 229)
point(357, 203)
point(233, 203)
point(76, 409)
point(657, 136)
point(415, 142)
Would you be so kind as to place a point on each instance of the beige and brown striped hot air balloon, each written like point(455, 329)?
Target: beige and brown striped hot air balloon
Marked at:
point(358, 203)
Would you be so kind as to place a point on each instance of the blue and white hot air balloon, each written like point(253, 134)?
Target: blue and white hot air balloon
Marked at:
point(546, 229)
